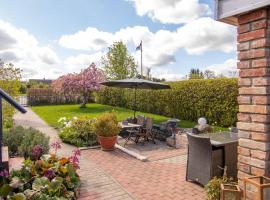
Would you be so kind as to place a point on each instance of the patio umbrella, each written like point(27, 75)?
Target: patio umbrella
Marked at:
point(136, 83)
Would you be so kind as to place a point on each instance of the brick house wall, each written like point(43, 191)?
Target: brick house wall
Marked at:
point(254, 93)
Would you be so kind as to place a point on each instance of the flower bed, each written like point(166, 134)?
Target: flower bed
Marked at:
point(77, 131)
point(44, 176)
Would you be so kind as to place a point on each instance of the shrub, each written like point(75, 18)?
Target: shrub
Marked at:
point(215, 99)
point(106, 125)
point(213, 187)
point(32, 138)
point(13, 138)
point(77, 131)
point(21, 141)
point(47, 177)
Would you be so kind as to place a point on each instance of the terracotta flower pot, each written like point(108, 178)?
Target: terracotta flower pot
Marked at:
point(107, 143)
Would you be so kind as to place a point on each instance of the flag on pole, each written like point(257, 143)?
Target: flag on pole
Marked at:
point(138, 48)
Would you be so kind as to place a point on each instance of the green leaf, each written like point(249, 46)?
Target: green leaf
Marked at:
point(40, 183)
point(4, 190)
point(16, 182)
point(56, 184)
point(71, 170)
point(18, 196)
point(29, 193)
point(46, 157)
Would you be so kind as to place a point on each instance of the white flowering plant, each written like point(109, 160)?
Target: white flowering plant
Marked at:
point(77, 131)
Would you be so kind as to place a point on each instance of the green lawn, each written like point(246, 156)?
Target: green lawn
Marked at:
point(52, 113)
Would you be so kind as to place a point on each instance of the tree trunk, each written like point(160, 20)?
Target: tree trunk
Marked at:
point(85, 100)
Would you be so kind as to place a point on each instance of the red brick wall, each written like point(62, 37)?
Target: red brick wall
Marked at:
point(254, 93)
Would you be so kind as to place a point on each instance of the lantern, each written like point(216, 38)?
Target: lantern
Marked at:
point(258, 186)
point(230, 192)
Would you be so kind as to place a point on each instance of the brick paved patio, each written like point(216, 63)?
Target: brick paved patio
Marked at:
point(162, 179)
point(118, 176)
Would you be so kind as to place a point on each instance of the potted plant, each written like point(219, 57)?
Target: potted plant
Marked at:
point(107, 128)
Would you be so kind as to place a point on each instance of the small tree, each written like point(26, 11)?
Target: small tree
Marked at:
point(148, 73)
point(10, 82)
point(118, 63)
point(196, 74)
point(81, 84)
point(233, 73)
point(209, 74)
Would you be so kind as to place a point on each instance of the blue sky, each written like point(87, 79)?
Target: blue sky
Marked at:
point(56, 37)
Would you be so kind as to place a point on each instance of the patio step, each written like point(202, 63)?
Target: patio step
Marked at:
point(131, 153)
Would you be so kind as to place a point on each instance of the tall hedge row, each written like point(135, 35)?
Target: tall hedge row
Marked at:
point(216, 99)
point(47, 96)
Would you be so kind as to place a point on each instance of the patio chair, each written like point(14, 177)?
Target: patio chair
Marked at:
point(141, 120)
point(146, 131)
point(203, 161)
point(138, 132)
point(165, 130)
point(149, 133)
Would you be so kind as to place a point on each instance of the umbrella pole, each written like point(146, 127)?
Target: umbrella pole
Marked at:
point(134, 104)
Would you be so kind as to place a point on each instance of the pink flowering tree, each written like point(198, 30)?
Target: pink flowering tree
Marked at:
point(81, 84)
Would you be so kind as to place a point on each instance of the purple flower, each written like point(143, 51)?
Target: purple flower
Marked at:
point(77, 152)
point(37, 152)
point(56, 146)
point(74, 159)
point(4, 173)
point(49, 174)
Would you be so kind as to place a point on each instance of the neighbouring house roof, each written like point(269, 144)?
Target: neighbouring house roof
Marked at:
point(44, 81)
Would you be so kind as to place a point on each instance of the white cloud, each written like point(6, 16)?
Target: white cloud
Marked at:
point(206, 34)
point(84, 60)
point(8, 56)
point(29, 72)
point(22, 49)
point(167, 74)
point(159, 48)
point(171, 11)
point(196, 37)
point(47, 55)
point(11, 37)
point(90, 39)
point(227, 68)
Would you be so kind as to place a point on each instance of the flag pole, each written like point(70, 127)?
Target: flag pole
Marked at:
point(141, 60)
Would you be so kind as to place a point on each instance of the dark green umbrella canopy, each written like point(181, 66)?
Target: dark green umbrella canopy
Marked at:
point(136, 83)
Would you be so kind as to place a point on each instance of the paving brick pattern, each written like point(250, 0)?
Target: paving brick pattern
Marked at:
point(175, 160)
point(148, 180)
point(96, 184)
point(117, 176)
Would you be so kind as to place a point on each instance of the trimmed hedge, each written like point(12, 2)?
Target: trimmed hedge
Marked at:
point(215, 99)
point(46, 96)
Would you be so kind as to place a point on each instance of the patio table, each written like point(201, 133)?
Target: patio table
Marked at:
point(129, 126)
point(222, 138)
point(228, 142)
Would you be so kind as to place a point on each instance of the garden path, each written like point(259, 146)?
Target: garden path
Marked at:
point(96, 183)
